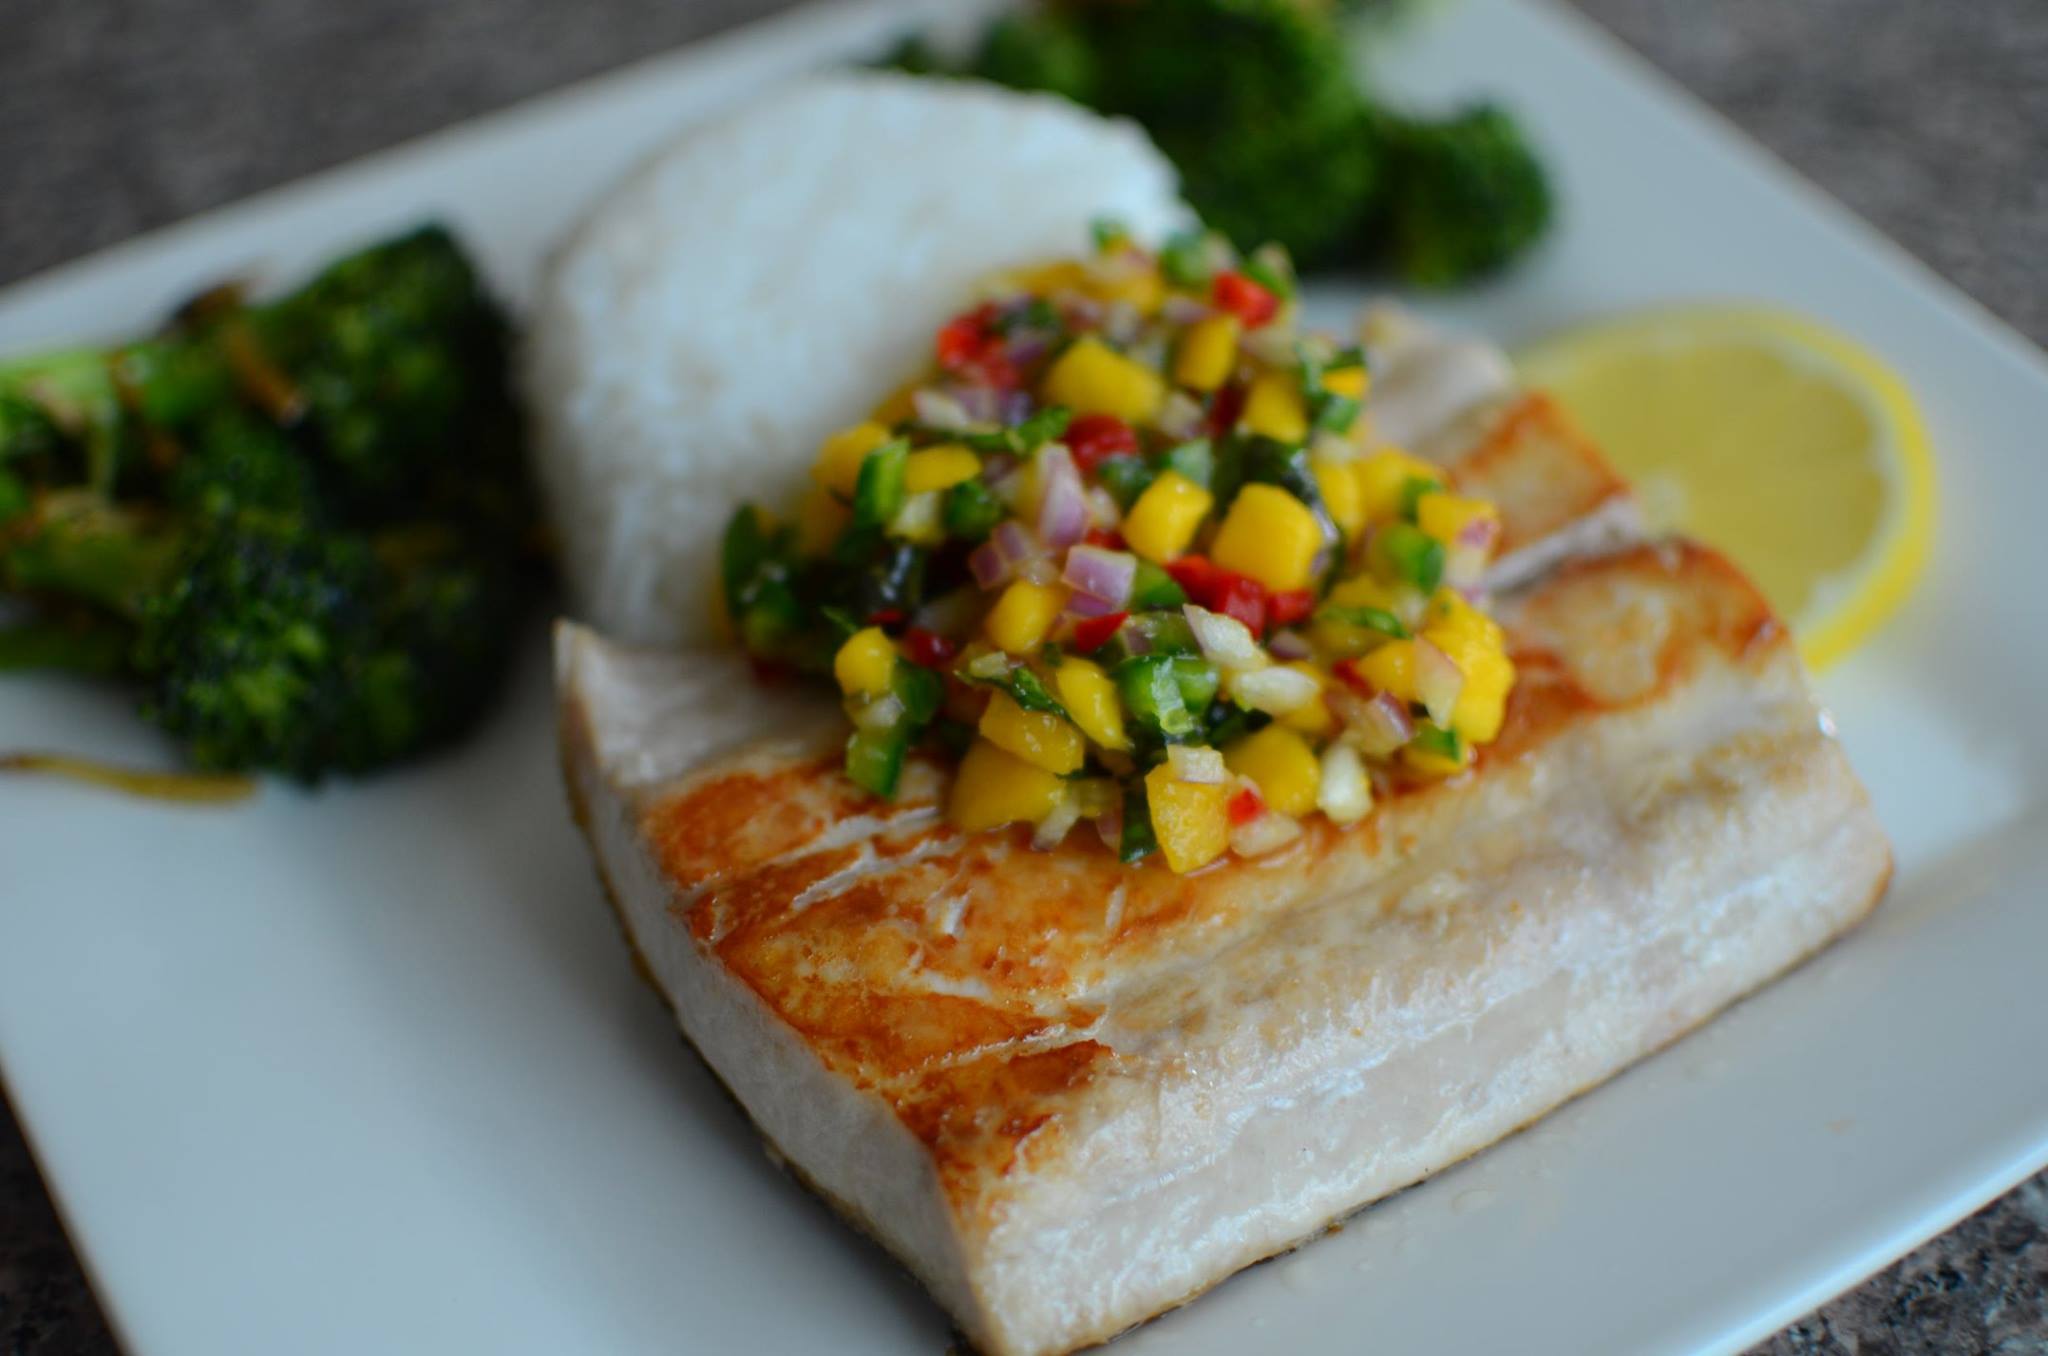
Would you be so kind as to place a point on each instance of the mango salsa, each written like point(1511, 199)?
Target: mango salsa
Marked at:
point(1191, 820)
point(993, 788)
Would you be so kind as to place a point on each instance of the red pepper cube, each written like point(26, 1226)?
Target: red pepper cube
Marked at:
point(1249, 301)
point(1245, 806)
point(1226, 407)
point(928, 648)
point(1242, 597)
point(1197, 578)
point(1094, 633)
point(1095, 438)
point(1289, 606)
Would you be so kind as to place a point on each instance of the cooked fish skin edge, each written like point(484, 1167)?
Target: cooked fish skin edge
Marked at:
point(888, 1184)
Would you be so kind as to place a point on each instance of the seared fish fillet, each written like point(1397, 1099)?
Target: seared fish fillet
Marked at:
point(1069, 1094)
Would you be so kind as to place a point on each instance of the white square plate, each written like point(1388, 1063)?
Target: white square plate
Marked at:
point(368, 1071)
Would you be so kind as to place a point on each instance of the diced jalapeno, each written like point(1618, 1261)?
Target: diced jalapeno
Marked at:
point(1371, 618)
point(1153, 588)
point(874, 759)
point(972, 511)
point(1125, 478)
point(1412, 490)
point(1137, 840)
point(1411, 555)
point(1436, 739)
point(878, 493)
point(1198, 680)
point(1151, 691)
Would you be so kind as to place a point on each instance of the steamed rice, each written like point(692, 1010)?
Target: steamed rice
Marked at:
point(766, 280)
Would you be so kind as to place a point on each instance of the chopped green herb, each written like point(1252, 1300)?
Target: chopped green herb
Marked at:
point(972, 511)
point(1125, 477)
point(1107, 232)
point(1184, 259)
point(1432, 738)
point(1022, 685)
point(1037, 430)
point(843, 623)
point(1137, 840)
point(1271, 268)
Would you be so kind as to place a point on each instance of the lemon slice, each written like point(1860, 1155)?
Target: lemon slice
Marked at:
point(1790, 447)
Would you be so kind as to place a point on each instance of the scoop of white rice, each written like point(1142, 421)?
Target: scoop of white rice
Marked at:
point(767, 280)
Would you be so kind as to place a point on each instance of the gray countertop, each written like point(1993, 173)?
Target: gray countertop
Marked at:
point(1931, 120)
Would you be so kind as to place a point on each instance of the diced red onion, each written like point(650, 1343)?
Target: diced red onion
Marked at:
point(1181, 309)
point(1198, 764)
point(1062, 500)
point(1464, 566)
point(1101, 576)
point(1268, 833)
point(1009, 550)
point(1028, 348)
point(1039, 570)
point(1438, 680)
point(1276, 691)
point(1180, 417)
point(1082, 312)
point(1121, 322)
point(984, 404)
point(1102, 507)
point(1480, 532)
point(1052, 830)
point(1014, 407)
point(997, 466)
point(939, 410)
point(1343, 792)
point(951, 614)
point(1289, 645)
point(1377, 724)
point(1224, 640)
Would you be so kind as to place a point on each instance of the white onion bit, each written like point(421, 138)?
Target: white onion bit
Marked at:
point(1194, 763)
point(1224, 640)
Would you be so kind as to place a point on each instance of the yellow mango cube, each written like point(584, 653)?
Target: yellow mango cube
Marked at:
point(1269, 535)
point(993, 787)
point(1483, 700)
point(1444, 516)
point(840, 456)
point(1384, 475)
point(1163, 521)
point(1137, 286)
point(866, 664)
point(1093, 378)
point(1207, 352)
point(1337, 482)
point(1353, 382)
point(1038, 737)
point(1065, 275)
point(1281, 764)
point(1310, 718)
point(1090, 698)
point(1191, 820)
point(939, 468)
point(1391, 668)
point(1023, 615)
point(1274, 408)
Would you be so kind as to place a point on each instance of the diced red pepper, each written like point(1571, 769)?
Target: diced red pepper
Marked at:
point(1346, 672)
point(1241, 597)
point(928, 648)
point(965, 337)
point(1225, 408)
point(1095, 438)
point(1249, 301)
point(1289, 606)
point(1092, 634)
point(1245, 806)
point(1196, 577)
point(887, 616)
point(1108, 538)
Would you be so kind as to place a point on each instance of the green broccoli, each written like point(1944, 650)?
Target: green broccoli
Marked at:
point(1468, 196)
point(1040, 50)
point(303, 526)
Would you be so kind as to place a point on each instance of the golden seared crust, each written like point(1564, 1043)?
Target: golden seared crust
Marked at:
point(965, 979)
point(1543, 472)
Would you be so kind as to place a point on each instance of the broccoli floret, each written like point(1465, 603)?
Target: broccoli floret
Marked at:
point(1468, 196)
point(236, 461)
point(281, 647)
point(1040, 50)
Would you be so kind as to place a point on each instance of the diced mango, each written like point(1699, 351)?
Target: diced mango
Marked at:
point(1353, 382)
point(1482, 701)
point(1311, 718)
point(866, 664)
point(1337, 481)
point(1065, 275)
point(1191, 820)
point(1093, 378)
point(1282, 765)
point(1038, 737)
point(1207, 352)
point(899, 405)
point(993, 787)
point(1461, 630)
point(1383, 476)
point(1391, 668)
point(820, 521)
point(1274, 408)
point(939, 468)
point(840, 456)
point(1023, 615)
point(1269, 535)
point(1444, 516)
point(1090, 698)
point(1163, 521)
point(1137, 286)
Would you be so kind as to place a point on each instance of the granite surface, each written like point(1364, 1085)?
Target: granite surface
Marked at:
point(1929, 119)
